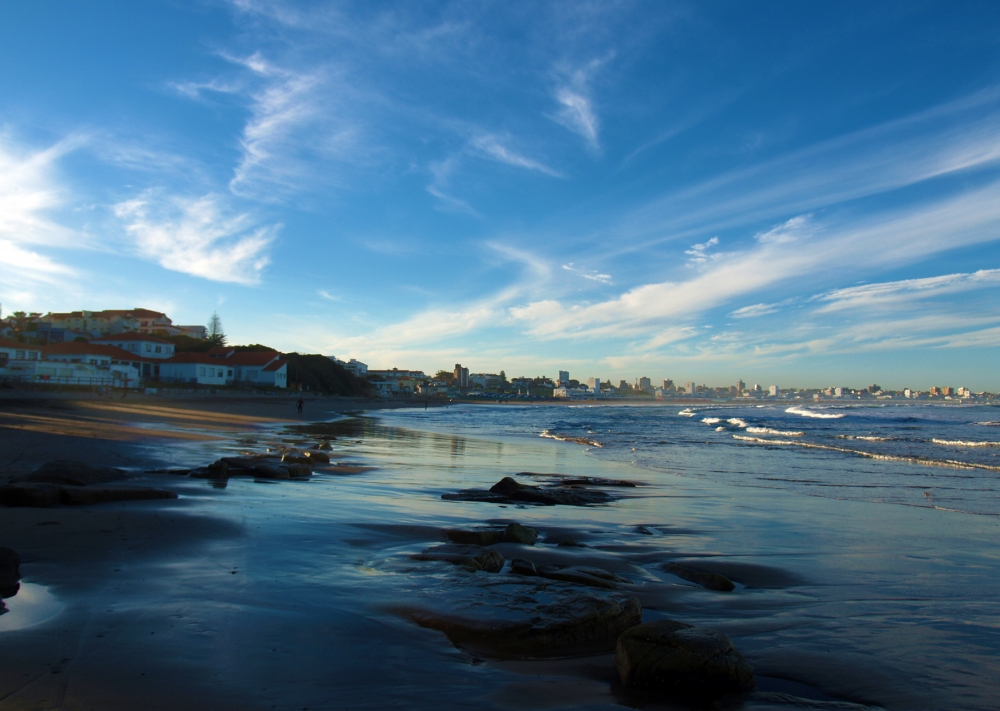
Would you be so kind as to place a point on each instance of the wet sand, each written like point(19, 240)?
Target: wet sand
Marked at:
point(292, 595)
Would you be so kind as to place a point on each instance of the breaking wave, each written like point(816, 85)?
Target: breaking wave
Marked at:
point(796, 410)
point(711, 420)
point(867, 438)
point(570, 438)
point(962, 443)
point(737, 421)
point(988, 423)
point(913, 459)
point(686, 413)
point(768, 430)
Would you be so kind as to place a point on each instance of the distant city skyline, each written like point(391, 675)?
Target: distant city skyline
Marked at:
point(784, 193)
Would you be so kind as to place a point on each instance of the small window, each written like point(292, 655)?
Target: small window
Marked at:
point(148, 348)
point(229, 373)
point(202, 370)
point(159, 349)
point(20, 355)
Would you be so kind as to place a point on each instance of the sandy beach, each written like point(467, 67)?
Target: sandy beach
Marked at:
point(330, 592)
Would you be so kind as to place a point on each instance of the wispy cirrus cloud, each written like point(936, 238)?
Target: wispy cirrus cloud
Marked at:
point(30, 191)
point(576, 106)
point(496, 148)
point(699, 254)
point(588, 274)
point(198, 236)
point(896, 294)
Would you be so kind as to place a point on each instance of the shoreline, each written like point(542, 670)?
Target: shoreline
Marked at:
point(279, 577)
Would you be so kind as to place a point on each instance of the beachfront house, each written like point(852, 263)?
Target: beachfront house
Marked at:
point(223, 365)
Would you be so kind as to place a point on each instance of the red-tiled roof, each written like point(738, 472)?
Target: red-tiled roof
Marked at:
point(260, 358)
point(220, 351)
point(130, 336)
point(77, 348)
point(7, 343)
point(277, 365)
point(195, 358)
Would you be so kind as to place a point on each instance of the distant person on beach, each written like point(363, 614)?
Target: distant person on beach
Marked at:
point(298, 405)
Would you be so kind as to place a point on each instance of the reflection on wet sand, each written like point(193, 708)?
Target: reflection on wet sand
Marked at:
point(309, 589)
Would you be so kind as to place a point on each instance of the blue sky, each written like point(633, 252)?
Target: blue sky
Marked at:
point(794, 193)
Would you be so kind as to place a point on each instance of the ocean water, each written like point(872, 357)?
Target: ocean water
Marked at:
point(937, 456)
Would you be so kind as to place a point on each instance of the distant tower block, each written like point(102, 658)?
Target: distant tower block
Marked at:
point(461, 376)
point(563, 377)
point(690, 388)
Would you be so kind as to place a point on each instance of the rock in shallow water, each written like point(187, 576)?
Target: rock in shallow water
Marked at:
point(66, 471)
point(574, 624)
point(471, 557)
point(508, 490)
point(681, 661)
point(712, 581)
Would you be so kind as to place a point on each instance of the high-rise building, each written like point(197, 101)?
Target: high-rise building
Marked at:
point(773, 391)
point(623, 385)
point(690, 388)
point(461, 376)
point(563, 377)
point(668, 384)
point(740, 386)
point(646, 384)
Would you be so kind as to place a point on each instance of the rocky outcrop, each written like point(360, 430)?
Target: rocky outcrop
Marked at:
point(508, 490)
point(315, 457)
point(712, 581)
point(573, 624)
point(471, 557)
point(475, 537)
point(73, 473)
point(516, 533)
point(576, 574)
point(681, 661)
point(10, 572)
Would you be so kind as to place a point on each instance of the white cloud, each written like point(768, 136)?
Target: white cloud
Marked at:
point(894, 294)
point(588, 274)
point(328, 296)
point(755, 310)
point(790, 231)
point(492, 147)
point(699, 252)
point(576, 109)
point(198, 237)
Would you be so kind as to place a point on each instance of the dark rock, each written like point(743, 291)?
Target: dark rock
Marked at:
point(299, 471)
point(269, 471)
point(681, 661)
point(712, 581)
point(580, 575)
point(564, 480)
point(87, 495)
point(643, 530)
point(65, 471)
point(324, 446)
point(507, 490)
point(10, 572)
point(574, 624)
point(468, 556)
point(241, 463)
point(571, 544)
point(516, 533)
point(294, 458)
point(477, 537)
point(36, 495)
point(314, 457)
point(522, 567)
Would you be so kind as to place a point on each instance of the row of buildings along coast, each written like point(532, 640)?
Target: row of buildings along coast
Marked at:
point(126, 349)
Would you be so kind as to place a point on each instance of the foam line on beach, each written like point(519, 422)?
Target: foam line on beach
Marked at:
point(568, 438)
point(770, 431)
point(963, 443)
point(914, 459)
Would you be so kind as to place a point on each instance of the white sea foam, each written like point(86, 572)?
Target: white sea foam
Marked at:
point(568, 438)
point(711, 420)
point(720, 429)
point(867, 438)
point(686, 413)
point(988, 423)
point(737, 421)
point(928, 461)
point(796, 410)
point(962, 443)
point(768, 430)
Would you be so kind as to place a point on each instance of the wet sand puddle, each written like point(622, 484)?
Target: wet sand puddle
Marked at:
point(314, 598)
